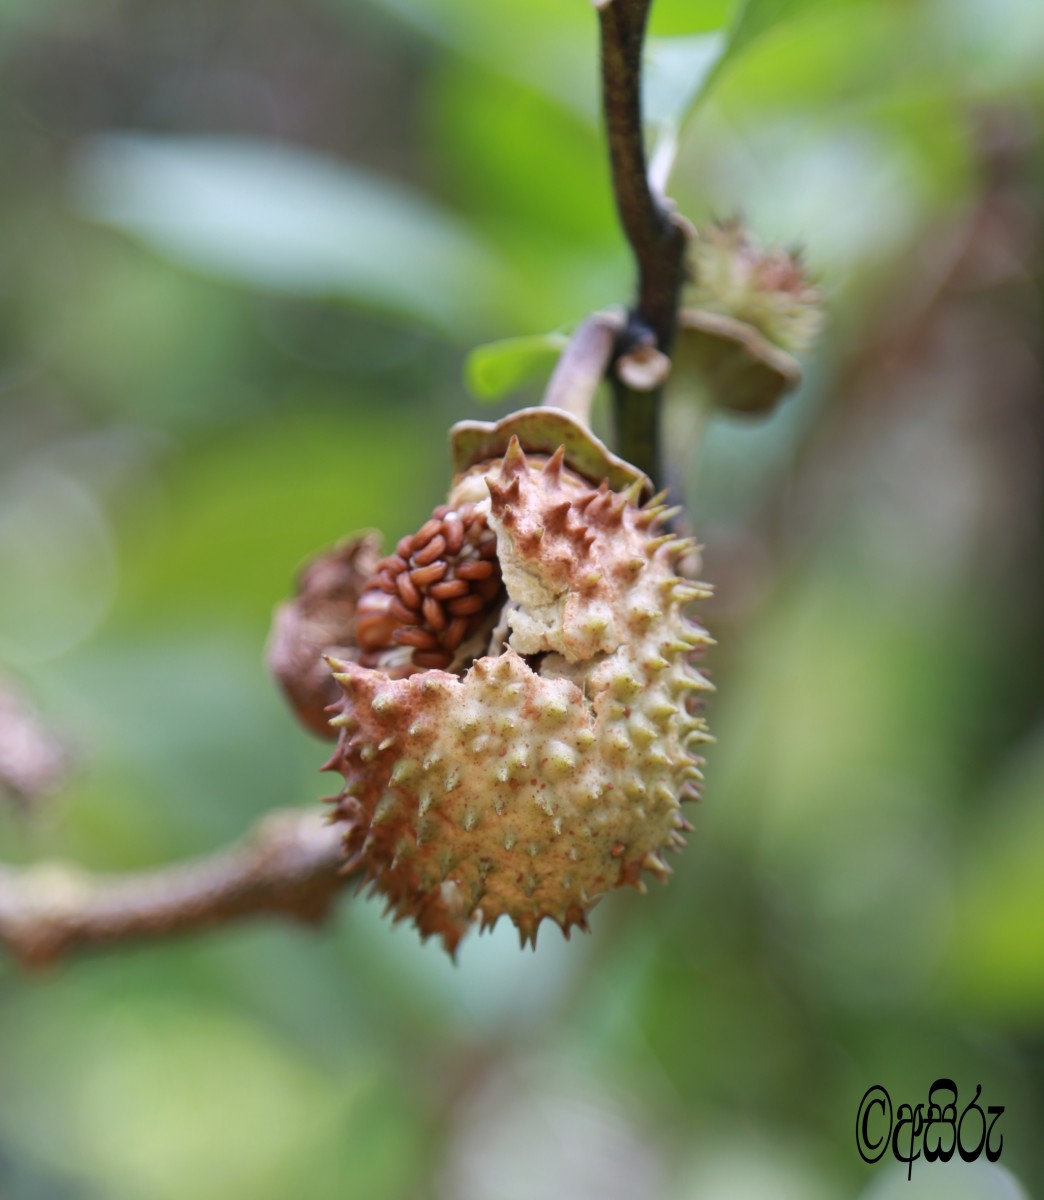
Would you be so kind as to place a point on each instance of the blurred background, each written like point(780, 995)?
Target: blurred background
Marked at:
point(244, 251)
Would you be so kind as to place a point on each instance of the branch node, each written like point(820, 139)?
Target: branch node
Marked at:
point(645, 369)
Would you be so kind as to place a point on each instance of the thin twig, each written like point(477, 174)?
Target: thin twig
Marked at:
point(583, 365)
point(34, 760)
point(290, 863)
point(656, 238)
point(657, 241)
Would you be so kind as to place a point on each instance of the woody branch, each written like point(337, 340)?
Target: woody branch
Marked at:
point(289, 864)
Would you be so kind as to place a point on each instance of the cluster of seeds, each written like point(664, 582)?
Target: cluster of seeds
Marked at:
point(434, 592)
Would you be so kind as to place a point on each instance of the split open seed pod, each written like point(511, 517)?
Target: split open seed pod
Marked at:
point(518, 721)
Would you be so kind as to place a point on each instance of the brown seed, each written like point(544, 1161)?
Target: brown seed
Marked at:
point(479, 569)
point(405, 616)
point(433, 550)
point(455, 632)
point(453, 531)
point(375, 632)
point(433, 613)
point(408, 591)
point(426, 532)
point(395, 564)
point(386, 582)
point(441, 511)
point(488, 548)
point(425, 576)
point(372, 601)
point(432, 659)
point(405, 547)
point(466, 605)
point(450, 589)
point(411, 635)
point(488, 589)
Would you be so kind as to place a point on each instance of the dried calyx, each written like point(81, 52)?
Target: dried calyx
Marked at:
point(518, 721)
point(749, 310)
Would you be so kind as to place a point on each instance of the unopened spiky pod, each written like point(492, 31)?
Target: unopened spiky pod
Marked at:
point(548, 768)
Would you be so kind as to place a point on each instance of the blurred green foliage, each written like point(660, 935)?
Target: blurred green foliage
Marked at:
point(244, 249)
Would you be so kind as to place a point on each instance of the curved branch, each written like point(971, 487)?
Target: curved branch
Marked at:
point(657, 241)
point(290, 863)
point(656, 238)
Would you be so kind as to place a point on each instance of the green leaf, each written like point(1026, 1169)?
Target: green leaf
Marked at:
point(544, 44)
point(287, 221)
point(681, 71)
point(753, 18)
point(494, 370)
point(676, 71)
point(668, 18)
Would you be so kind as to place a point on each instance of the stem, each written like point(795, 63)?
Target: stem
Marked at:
point(583, 365)
point(656, 239)
point(290, 863)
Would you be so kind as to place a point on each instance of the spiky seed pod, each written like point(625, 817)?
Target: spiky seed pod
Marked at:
point(548, 766)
